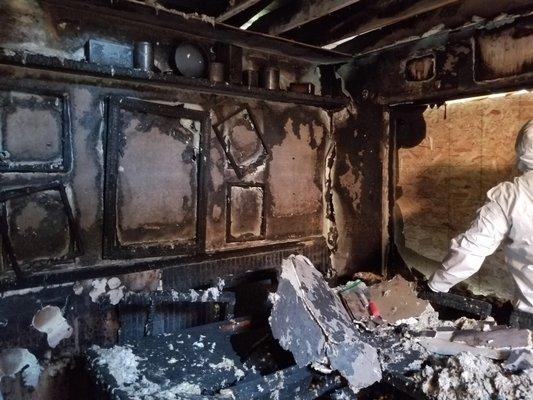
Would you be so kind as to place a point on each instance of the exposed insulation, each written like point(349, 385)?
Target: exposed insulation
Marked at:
point(468, 149)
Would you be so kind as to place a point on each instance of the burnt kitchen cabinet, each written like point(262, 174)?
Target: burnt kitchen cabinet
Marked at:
point(38, 227)
point(154, 179)
point(34, 130)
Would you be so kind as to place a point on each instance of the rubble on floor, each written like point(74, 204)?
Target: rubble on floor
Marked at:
point(396, 300)
point(170, 366)
point(470, 376)
point(309, 319)
point(465, 358)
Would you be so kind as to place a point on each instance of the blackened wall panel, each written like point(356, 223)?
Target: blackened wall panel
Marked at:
point(153, 188)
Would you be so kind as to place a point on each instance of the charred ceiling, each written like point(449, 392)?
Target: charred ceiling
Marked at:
point(351, 26)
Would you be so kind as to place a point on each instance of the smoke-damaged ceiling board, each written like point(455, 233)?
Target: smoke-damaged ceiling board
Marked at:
point(309, 319)
point(206, 7)
point(367, 18)
point(299, 13)
point(240, 7)
point(354, 26)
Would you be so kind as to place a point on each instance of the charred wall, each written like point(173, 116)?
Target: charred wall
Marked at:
point(468, 148)
point(356, 190)
point(479, 58)
point(101, 173)
point(112, 184)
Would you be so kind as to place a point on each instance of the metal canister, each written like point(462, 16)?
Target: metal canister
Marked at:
point(216, 72)
point(143, 56)
point(271, 78)
point(251, 78)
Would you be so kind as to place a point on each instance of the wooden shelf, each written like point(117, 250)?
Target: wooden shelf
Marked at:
point(27, 60)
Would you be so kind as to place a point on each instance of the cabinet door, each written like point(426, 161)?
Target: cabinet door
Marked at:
point(154, 178)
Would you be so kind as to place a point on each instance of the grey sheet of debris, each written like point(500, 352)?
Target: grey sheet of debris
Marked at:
point(309, 320)
point(498, 338)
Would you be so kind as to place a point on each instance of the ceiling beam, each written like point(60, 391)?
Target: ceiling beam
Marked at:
point(308, 10)
point(343, 33)
point(448, 18)
point(236, 9)
point(207, 7)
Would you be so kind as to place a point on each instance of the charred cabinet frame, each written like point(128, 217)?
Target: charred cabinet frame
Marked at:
point(75, 245)
point(262, 226)
point(62, 106)
point(112, 247)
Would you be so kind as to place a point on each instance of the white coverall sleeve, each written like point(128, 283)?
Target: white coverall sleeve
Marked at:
point(469, 249)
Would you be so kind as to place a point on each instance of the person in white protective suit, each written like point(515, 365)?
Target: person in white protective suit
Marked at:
point(507, 215)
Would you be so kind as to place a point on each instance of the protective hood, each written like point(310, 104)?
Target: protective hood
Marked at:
point(524, 147)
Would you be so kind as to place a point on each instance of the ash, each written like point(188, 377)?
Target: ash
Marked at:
point(123, 365)
point(469, 376)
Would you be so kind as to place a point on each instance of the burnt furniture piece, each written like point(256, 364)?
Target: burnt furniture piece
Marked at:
point(147, 314)
point(236, 357)
point(154, 149)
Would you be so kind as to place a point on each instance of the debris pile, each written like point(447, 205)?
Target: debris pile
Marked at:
point(124, 366)
point(388, 328)
point(309, 319)
point(395, 300)
point(470, 376)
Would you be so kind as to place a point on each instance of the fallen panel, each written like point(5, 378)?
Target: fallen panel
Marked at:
point(310, 321)
point(497, 339)
point(397, 300)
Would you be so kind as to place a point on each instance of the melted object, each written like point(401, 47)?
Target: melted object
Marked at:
point(49, 320)
point(310, 321)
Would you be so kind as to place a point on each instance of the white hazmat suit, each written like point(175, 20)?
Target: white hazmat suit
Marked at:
point(507, 215)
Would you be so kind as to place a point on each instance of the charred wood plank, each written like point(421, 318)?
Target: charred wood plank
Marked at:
point(449, 17)
point(180, 82)
point(472, 306)
point(236, 9)
point(306, 12)
point(345, 31)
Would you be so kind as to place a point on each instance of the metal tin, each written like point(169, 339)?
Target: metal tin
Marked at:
point(305, 88)
point(143, 56)
point(109, 53)
point(216, 72)
point(251, 78)
point(271, 78)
